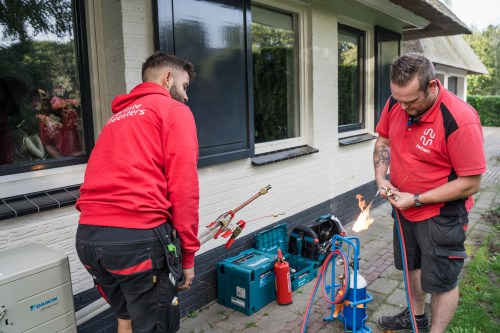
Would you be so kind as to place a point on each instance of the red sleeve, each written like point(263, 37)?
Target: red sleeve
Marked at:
point(466, 150)
point(383, 124)
point(180, 146)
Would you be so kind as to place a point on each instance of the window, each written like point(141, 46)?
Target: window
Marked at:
point(387, 48)
point(45, 116)
point(214, 36)
point(351, 78)
point(453, 84)
point(275, 54)
point(440, 77)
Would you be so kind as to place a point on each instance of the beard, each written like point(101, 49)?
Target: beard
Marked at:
point(175, 93)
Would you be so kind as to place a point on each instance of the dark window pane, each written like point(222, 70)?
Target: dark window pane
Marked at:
point(275, 74)
point(40, 102)
point(387, 44)
point(351, 77)
point(214, 36)
point(452, 84)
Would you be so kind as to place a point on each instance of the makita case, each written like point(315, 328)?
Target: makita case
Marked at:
point(315, 241)
point(246, 282)
point(302, 270)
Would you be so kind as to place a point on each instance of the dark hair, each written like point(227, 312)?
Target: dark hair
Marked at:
point(406, 67)
point(160, 60)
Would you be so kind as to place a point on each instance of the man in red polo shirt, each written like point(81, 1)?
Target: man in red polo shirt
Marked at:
point(433, 143)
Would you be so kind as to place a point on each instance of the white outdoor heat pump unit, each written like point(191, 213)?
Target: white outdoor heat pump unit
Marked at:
point(35, 291)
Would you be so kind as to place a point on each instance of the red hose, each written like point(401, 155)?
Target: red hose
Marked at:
point(340, 293)
point(403, 251)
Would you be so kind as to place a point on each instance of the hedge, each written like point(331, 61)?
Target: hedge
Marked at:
point(488, 108)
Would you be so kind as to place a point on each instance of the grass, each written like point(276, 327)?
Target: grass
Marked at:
point(251, 324)
point(479, 304)
point(192, 314)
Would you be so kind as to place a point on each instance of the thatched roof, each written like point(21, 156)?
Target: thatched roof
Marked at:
point(449, 51)
point(442, 20)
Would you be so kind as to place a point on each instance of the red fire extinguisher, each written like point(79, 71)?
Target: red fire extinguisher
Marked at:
point(283, 284)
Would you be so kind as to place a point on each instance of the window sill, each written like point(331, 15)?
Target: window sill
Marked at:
point(281, 155)
point(350, 140)
point(37, 202)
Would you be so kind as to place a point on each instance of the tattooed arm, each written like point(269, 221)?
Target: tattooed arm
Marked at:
point(381, 158)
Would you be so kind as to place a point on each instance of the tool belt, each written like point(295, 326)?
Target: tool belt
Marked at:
point(169, 238)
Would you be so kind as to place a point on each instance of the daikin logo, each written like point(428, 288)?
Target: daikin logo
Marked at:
point(39, 305)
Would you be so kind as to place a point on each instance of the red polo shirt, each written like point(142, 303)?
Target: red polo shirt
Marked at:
point(447, 143)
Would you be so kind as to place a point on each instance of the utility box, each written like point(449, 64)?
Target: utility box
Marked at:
point(302, 270)
point(246, 282)
point(35, 291)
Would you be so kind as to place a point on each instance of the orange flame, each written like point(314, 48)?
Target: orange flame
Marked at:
point(364, 220)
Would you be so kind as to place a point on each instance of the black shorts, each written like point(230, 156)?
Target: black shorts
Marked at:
point(436, 246)
point(129, 266)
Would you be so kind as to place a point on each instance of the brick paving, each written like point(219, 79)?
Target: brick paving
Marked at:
point(376, 265)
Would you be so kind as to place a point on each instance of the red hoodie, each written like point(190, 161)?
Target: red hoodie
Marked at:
point(143, 169)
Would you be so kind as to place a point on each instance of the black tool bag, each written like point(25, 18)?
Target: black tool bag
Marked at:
point(315, 241)
point(304, 242)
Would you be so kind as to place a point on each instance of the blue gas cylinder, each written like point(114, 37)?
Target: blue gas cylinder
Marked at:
point(360, 296)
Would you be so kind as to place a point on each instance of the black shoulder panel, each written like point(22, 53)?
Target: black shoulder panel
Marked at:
point(449, 123)
point(392, 102)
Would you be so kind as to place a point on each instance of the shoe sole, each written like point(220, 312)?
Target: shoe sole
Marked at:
point(401, 330)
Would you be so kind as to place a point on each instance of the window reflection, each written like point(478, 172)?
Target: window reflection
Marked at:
point(40, 108)
point(275, 74)
point(350, 77)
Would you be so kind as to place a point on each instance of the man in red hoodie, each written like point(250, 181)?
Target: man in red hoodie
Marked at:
point(140, 196)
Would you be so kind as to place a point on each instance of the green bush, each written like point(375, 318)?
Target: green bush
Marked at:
point(488, 108)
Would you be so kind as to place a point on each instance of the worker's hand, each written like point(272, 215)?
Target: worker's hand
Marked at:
point(405, 200)
point(387, 184)
point(188, 274)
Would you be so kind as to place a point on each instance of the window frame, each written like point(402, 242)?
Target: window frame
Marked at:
point(362, 53)
point(300, 12)
point(82, 62)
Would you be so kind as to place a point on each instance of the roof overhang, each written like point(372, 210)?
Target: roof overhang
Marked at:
point(443, 22)
point(420, 18)
point(451, 51)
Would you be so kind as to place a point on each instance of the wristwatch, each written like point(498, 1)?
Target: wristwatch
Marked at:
point(417, 201)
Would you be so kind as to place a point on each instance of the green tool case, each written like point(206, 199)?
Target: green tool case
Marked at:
point(302, 270)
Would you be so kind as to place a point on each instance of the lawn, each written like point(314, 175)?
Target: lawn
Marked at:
point(479, 305)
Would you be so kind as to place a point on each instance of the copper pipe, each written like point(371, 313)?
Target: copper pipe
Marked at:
point(261, 192)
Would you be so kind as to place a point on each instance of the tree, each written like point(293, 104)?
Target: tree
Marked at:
point(486, 44)
point(19, 18)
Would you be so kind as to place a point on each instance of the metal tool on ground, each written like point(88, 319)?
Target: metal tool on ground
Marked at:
point(224, 222)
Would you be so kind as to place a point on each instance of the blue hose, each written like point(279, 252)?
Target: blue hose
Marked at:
point(321, 278)
point(403, 252)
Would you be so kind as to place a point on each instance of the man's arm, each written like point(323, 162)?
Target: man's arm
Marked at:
point(459, 188)
point(381, 159)
point(181, 154)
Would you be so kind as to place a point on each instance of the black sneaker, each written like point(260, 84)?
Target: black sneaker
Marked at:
point(402, 321)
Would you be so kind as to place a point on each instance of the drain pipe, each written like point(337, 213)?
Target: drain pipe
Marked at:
point(90, 311)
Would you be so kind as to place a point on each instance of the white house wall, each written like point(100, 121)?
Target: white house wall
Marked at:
point(297, 184)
